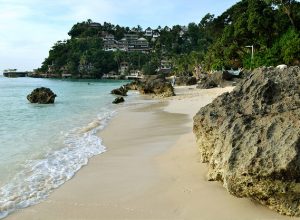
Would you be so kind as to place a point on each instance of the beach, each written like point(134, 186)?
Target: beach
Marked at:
point(151, 170)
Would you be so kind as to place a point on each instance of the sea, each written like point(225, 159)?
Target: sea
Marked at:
point(43, 146)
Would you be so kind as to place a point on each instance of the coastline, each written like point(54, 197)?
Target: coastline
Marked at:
point(151, 170)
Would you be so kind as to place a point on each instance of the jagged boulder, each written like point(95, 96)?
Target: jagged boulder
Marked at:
point(122, 91)
point(155, 85)
point(185, 81)
point(133, 85)
point(209, 81)
point(250, 139)
point(118, 100)
point(41, 96)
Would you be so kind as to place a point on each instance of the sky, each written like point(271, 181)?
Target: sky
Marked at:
point(29, 28)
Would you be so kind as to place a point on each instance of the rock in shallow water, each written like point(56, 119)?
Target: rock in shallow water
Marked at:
point(122, 91)
point(118, 100)
point(250, 139)
point(41, 96)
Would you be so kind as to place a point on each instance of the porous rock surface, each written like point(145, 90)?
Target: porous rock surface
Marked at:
point(41, 96)
point(122, 91)
point(185, 81)
point(250, 139)
point(153, 85)
point(118, 100)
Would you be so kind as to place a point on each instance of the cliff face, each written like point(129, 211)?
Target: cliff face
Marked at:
point(250, 139)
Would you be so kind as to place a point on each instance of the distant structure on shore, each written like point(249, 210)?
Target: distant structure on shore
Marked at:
point(13, 73)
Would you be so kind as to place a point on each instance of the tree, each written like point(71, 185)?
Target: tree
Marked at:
point(286, 6)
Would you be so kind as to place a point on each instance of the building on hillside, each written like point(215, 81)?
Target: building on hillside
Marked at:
point(94, 25)
point(124, 67)
point(148, 32)
point(165, 67)
point(135, 74)
point(181, 33)
point(129, 43)
point(123, 44)
point(140, 44)
point(109, 43)
point(165, 64)
point(156, 34)
point(184, 28)
point(111, 75)
point(131, 37)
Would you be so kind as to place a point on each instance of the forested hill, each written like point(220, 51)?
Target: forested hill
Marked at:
point(271, 26)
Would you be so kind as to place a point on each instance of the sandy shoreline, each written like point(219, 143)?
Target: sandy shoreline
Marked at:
point(151, 170)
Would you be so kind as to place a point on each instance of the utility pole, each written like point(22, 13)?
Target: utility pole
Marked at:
point(252, 54)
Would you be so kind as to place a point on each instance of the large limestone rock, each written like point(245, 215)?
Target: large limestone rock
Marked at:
point(250, 139)
point(153, 85)
point(122, 91)
point(209, 81)
point(219, 79)
point(185, 81)
point(118, 100)
point(41, 96)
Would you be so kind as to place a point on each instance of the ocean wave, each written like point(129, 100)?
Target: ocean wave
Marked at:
point(40, 177)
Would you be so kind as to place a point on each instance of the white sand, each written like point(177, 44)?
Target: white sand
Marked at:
point(151, 170)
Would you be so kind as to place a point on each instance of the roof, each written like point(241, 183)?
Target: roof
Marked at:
point(142, 39)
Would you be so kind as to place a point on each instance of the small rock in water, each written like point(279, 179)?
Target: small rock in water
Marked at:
point(120, 91)
point(41, 96)
point(118, 100)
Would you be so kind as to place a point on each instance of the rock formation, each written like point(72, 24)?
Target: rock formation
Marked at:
point(219, 79)
point(41, 96)
point(118, 100)
point(185, 81)
point(122, 91)
point(155, 84)
point(250, 139)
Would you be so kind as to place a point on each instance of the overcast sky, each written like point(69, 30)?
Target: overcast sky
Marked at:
point(29, 28)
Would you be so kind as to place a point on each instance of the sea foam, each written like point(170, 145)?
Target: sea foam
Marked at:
point(40, 177)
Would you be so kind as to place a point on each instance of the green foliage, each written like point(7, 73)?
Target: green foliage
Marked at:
point(272, 26)
point(263, 24)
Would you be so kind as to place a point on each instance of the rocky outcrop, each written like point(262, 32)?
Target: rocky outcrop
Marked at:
point(122, 91)
point(153, 85)
point(219, 79)
point(133, 85)
point(250, 139)
point(209, 81)
point(41, 96)
point(185, 81)
point(118, 100)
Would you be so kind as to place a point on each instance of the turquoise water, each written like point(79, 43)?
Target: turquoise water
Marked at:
point(42, 146)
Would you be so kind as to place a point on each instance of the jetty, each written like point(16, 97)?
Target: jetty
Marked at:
point(13, 73)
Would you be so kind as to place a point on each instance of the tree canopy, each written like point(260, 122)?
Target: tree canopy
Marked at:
point(271, 26)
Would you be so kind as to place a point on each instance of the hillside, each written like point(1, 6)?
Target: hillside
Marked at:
point(94, 49)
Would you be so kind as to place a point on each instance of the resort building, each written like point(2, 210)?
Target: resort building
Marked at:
point(129, 43)
point(124, 67)
point(165, 67)
point(95, 24)
point(140, 44)
point(156, 34)
point(109, 43)
point(135, 74)
point(148, 32)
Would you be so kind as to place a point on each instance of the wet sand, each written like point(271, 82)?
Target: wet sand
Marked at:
point(151, 170)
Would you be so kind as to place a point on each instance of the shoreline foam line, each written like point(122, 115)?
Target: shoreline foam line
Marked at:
point(40, 177)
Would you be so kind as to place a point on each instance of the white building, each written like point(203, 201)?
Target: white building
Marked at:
point(148, 32)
